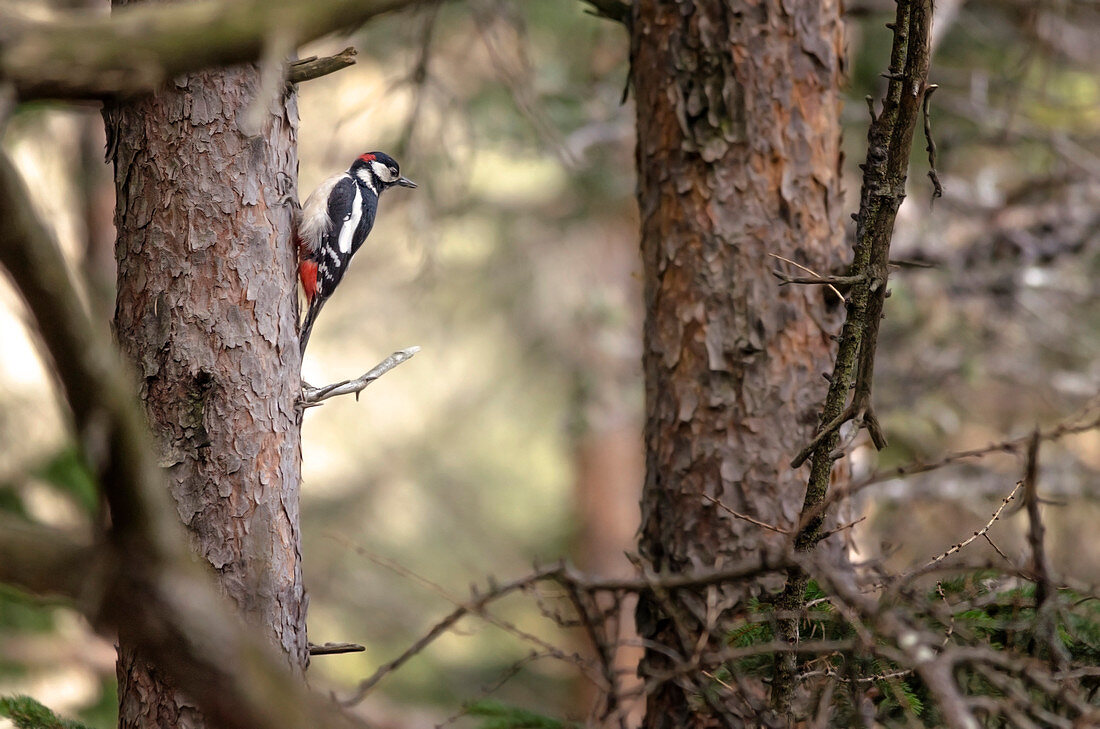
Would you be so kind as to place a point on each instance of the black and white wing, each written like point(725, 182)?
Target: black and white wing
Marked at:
point(345, 209)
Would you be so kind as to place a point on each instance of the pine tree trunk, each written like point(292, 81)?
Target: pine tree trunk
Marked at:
point(738, 158)
point(206, 313)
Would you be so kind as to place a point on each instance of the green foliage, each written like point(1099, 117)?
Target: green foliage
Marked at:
point(67, 472)
point(27, 713)
point(495, 715)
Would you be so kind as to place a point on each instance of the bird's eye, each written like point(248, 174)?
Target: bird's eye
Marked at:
point(393, 172)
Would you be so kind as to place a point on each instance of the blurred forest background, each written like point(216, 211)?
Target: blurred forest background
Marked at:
point(515, 435)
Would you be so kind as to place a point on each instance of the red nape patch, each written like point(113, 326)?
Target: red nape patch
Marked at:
point(307, 271)
point(367, 157)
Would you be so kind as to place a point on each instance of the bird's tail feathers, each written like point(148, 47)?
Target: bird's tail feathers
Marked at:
point(307, 323)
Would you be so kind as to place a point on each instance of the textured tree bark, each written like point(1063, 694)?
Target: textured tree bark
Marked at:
point(206, 311)
point(738, 157)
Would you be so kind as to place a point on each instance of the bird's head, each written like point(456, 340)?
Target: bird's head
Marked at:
point(378, 171)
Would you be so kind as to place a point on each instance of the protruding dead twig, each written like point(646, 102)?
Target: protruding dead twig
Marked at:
point(745, 517)
point(313, 396)
point(313, 67)
point(332, 649)
point(815, 278)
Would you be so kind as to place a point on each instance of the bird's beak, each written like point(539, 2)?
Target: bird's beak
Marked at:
point(405, 182)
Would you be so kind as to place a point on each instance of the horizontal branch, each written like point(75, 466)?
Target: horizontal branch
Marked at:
point(313, 396)
point(820, 280)
point(43, 560)
point(332, 649)
point(82, 54)
point(313, 67)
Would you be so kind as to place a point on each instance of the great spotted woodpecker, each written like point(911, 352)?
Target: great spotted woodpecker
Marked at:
point(335, 220)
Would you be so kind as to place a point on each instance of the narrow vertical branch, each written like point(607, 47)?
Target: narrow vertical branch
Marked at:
point(1046, 602)
point(884, 174)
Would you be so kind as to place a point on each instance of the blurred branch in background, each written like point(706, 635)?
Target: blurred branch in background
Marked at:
point(88, 55)
point(44, 560)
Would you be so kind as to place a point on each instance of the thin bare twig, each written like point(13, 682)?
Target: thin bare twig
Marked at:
point(836, 530)
point(565, 576)
point(996, 548)
point(958, 547)
point(816, 277)
point(745, 517)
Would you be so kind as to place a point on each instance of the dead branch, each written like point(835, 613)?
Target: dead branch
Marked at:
point(814, 278)
point(313, 396)
point(331, 649)
point(829, 281)
point(418, 78)
point(744, 517)
point(313, 67)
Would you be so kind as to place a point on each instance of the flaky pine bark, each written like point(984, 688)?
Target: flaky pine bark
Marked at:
point(738, 158)
point(206, 312)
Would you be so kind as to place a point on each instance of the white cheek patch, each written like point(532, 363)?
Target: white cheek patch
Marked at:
point(382, 171)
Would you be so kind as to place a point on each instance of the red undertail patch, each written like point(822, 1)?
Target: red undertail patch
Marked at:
point(307, 271)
